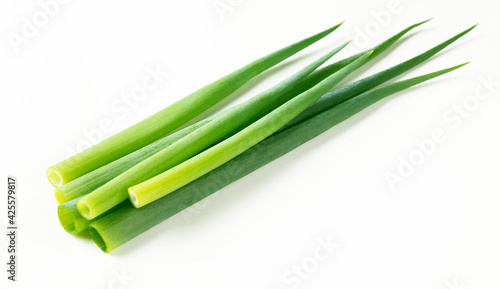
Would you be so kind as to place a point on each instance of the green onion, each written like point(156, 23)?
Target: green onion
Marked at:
point(69, 217)
point(126, 223)
point(346, 92)
point(335, 97)
point(72, 220)
point(170, 118)
point(320, 74)
point(163, 184)
point(115, 191)
point(180, 175)
point(93, 180)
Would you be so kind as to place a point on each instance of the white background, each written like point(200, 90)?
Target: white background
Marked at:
point(440, 228)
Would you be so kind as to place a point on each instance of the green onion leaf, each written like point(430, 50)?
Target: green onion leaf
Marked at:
point(170, 118)
point(115, 191)
point(180, 175)
point(124, 224)
point(93, 180)
point(346, 92)
point(88, 183)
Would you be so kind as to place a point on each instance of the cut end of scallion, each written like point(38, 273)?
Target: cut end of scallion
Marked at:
point(96, 236)
point(66, 219)
point(84, 209)
point(59, 197)
point(133, 198)
point(54, 177)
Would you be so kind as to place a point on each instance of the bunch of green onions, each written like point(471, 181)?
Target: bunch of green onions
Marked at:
point(135, 179)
